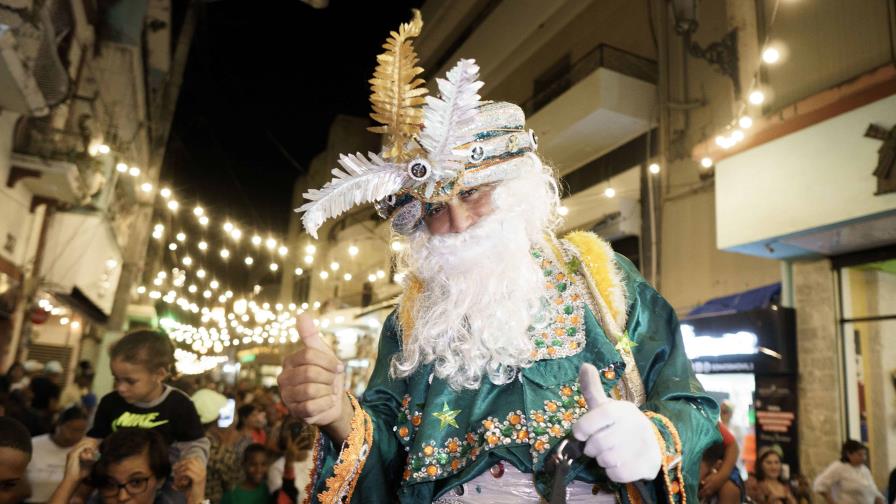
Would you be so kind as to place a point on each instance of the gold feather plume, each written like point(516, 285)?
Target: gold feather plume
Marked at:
point(397, 94)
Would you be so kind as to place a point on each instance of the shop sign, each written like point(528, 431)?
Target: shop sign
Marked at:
point(776, 417)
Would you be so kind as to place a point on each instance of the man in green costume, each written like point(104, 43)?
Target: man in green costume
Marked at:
point(507, 341)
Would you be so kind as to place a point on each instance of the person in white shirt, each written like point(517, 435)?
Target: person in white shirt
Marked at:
point(295, 442)
point(47, 467)
point(848, 480)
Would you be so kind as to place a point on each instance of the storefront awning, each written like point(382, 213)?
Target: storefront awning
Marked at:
point(753, 299)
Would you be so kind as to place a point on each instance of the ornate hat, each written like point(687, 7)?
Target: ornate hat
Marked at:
point(434, 147)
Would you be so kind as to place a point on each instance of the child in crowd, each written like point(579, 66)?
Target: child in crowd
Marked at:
point(131, 466)
point(252, 489)
point(140, 362)
point(729, 492)
point(15, 454)
point(50, 451)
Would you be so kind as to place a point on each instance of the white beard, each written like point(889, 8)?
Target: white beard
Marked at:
point(481, 289)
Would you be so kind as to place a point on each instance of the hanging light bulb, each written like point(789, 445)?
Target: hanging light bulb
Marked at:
point(249, 261)
point(371, 278)
point(563, 211)
point(706, 162)
point(609, 192)
point(225, 253)
point(236, 234)
point(121, 167)
point(771, 55)
point(228, 227)
point(324, 275)
point(173, 205)
point(334, 266)
point(757, 97)
point(737, 135)
point(187, 260)
point(282, 250)
point(172, 246)
point(256, 240)
point(203, 246)
point(165, 192)
point(380, 274)
point(310, 249)
point(309, 259)
point(134, 171)
point(198, 211)
point(203, 221)
point(396, 245)
point(654, 168)
point(200, 273)
point(745, 122)
point(214, 284)
point(299, 271)
point(270, 243)
point(352, 250)
point(274, 267)
point(146, 187)
point(181, 237)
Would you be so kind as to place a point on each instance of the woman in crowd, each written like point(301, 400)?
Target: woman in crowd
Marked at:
point(849, 480)
point(291, 472)
point(132, 467)
point(49, 453)
point(768, 486)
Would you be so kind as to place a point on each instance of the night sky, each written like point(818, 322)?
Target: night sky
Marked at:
point(263, 82)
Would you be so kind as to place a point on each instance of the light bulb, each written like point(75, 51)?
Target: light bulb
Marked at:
point(165, 192)
point(146, 187)
point(299, 271)
point(396, 246)
point(347, 277)
point(248, 261)
point(203, 246)
point(562, 210)
point(64, 320)
point(654, 168)
point(75, 324)
point(172, 246)
point(757, 97)
point(187, 261)
point(103, 149)
point(200, 273)
point(225, 253)
point(745, 122)
point(173, 205)
point(324, 275)
point(214, 284)
point(121, 167)
point(270, 243)
point(256, 240)
point(371, 278)
point(310, 249)
point(181, 237)
point(203, 220)
point(274, 267)
point(380, 274)
point(309, 259)
point(236, 234)
point(282, 250)
point(198, 211)
point(352, 250)
point(228, 227)
point(334, 266)
point(134, 171)
point(609, 192)
point(737, 135)
point(706, 162)
point(771, 55)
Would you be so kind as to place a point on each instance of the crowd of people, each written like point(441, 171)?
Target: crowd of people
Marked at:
point(155, 438)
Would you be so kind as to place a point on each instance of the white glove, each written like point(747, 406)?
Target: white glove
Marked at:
point(616, 433)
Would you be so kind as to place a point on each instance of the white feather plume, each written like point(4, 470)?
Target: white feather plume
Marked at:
point(447, 118)
point(361, 181)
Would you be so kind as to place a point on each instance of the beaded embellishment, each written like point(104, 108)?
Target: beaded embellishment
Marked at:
point(559, 330)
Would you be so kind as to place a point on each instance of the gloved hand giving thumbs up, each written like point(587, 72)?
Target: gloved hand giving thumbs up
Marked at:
point(311, 384)
point(616, 433)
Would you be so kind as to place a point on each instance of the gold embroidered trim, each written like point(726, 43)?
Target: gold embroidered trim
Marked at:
point(351, 460)
point(674, 483)
point(407, 306)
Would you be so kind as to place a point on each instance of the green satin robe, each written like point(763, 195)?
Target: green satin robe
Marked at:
point(412, 432)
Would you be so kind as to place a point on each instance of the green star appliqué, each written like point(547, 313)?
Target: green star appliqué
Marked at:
point(447, 416)
point(625, 344)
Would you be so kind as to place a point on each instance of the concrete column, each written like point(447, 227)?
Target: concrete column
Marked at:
point(821, 416)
